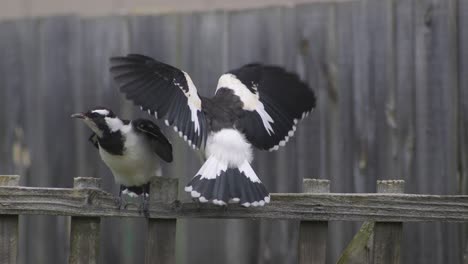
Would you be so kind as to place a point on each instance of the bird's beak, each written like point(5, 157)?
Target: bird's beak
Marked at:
point(79, 115)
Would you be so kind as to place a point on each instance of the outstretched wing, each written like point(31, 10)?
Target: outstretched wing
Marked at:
point(163, 91)
point(273, 102)
point(159, 142)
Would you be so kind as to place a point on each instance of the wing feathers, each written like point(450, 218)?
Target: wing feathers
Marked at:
point(273, 101)
point(164, 91)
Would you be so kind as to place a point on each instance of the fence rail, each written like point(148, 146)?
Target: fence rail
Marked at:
point(86, 203)
point(91, 202)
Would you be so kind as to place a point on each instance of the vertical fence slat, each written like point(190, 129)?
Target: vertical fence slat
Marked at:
point(387, 236)
point(84, 234)
point(160, 245)
point(9, 227)
point(313, 234)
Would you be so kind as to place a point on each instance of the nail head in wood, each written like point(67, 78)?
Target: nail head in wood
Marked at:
point(315, 186)
point(86, 183)
point(9, 180)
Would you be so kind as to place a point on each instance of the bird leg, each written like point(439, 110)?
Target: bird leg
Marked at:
point(120, 200)
point(144, 205)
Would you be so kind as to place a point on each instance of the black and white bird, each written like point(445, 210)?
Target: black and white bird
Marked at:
point(253, 106)
point(131, 150)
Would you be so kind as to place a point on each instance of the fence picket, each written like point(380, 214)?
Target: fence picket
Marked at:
point(387, 236)
point(160, 245)
point(8, 227)
point(85, 231)
point(313, 234)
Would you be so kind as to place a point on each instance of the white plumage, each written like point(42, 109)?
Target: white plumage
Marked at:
point(138, 162)
point(229, 146)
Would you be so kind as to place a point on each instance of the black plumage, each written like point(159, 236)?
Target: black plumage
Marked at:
point(254, 105)
point(129, 148)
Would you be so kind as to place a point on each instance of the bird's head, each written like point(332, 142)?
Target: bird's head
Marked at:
point(101, 120)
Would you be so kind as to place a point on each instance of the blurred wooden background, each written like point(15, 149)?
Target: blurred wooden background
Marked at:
point(390, 76)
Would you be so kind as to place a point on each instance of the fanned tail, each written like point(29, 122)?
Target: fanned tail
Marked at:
point(217, 182)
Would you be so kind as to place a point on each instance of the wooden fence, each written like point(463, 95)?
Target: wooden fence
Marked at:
point(392, 89)
point(86, 203)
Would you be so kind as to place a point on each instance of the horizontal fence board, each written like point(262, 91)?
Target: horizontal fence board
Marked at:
point(325, 207)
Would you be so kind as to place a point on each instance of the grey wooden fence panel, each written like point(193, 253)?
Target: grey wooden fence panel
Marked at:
point(278, 241)
point(436, 82)
point(363, 179)
point(102, 38)
point(405, 110)
point(55, 45)
point(311, 28)
point(463, 107)
point(382, 137)
point(153, 36)
point(11, 93)
point(314, 29)
point(29, 55)
point(248, 42)
point(343, 146)
point(250, 36)
point(203, 54)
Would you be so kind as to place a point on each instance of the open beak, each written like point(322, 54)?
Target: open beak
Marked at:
point(79, 115)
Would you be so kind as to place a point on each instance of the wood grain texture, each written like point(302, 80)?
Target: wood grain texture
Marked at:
point(463, 109)
point(386, 246)
point(324, 207)
point(436, 122)
point(84, 240)
point(359, 250)
point(161, 241)
point(376, 242)
point(85, 231)
point(313, 234)
point(202, 50)
point(9, 228)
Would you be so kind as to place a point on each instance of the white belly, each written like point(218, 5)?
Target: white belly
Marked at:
point(229, 146)
point(137, 164)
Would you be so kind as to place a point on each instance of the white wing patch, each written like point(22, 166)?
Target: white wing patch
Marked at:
point(193, 101)
point(250, 100)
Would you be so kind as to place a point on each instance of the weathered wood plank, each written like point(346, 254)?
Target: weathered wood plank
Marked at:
point(313, 234)
point(9, 228)
point(387, 236)
point(463, 108)
point(322, 207)
point(85, 231)
point(436, 124)
point(376, 242)
point(359, 249)
point(202, 53)
point(381, 81)
point(160, 245)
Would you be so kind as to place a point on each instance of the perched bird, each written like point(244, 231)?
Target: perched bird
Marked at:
point(253, 106)
point(129, 148)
